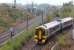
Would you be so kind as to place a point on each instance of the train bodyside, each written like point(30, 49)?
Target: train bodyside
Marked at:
point(67, 22)
point(53, 27)
point(49, 29)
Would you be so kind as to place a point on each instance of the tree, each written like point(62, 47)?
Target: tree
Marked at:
point(66, 9)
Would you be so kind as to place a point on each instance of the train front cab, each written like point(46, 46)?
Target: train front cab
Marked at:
point(40, 37)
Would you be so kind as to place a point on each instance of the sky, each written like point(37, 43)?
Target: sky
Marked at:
point(52, 2)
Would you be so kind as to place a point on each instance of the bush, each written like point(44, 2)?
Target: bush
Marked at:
point(64, 41)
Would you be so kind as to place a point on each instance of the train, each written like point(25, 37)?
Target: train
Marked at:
point(43, 32)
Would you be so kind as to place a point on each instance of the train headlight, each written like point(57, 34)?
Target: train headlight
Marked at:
point(43, 41)
point(44, 37)
point(35, 40)
point(35, 36)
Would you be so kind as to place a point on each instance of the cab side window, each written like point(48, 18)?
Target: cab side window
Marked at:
point(36, 31)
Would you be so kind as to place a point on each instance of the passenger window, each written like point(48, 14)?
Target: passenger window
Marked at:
point(46, 33)
point(53, 29)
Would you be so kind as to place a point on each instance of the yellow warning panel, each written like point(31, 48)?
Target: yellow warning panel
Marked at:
point(40, 32)
point(35, 36)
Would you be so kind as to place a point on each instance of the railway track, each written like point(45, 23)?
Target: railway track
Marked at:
point(4, 37)
point(36, 47)
point(52, 41)
point(49, 44)
point(46, 46)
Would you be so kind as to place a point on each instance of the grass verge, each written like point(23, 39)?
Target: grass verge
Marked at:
point(18, 42)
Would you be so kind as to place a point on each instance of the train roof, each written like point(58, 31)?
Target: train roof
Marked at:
point(54, 23)
point(49, 25)
point(66, 19)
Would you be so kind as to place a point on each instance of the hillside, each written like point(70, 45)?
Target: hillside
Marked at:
point(10, 16)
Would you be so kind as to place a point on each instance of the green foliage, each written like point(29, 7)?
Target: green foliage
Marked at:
point(9, 15)
point(49, 18)
point(61, 41)
point(3, 23)
point(15, 14)
point(64, 40)
point(67, 10)
point(18, 42)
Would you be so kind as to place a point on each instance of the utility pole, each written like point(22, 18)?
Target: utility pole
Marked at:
point(42, 18)
point(12, 31)
point(32, 8)
point(14, 4)
point(27, 24)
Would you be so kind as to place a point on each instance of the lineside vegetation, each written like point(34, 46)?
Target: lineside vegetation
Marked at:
point(18, 42)
point(64, 40)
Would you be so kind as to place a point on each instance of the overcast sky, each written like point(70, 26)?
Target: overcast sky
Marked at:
point(52, 2)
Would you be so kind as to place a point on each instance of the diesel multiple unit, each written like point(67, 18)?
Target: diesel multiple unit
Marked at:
point(43, 32)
